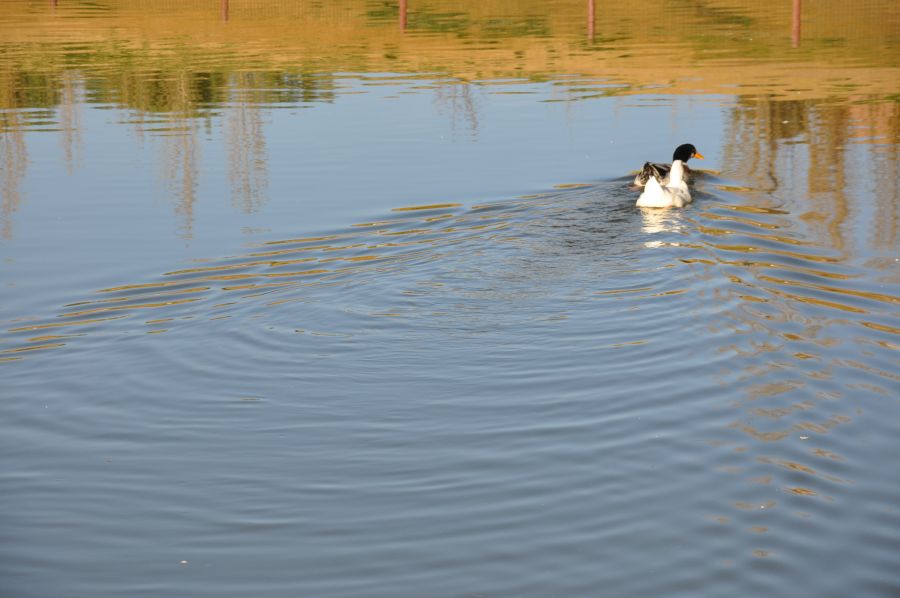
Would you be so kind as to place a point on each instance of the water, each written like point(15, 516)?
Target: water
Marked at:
point(318, 301)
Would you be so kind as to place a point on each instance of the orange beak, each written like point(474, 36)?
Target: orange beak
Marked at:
point(697, 155)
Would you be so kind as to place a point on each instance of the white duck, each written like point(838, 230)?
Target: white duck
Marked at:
point(674, 194)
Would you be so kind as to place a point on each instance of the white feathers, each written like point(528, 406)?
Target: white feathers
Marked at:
point(674, 194)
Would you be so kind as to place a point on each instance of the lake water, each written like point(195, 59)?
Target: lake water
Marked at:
point(352, 299)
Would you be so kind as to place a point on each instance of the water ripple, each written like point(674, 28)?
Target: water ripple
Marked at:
point(717, 361)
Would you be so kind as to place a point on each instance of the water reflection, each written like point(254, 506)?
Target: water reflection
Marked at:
point(795, 24)
point(246, 141)
point(459, 101)
point(767, 143)
point(70, 121)
point(404, 14)
point(229, 79)
point(803, 145)
point(542, 394)
point(658, 221)
point(180, 169)
point(15, 164)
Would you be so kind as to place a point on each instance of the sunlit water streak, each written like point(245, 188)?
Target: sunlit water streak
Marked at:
point(482, 398)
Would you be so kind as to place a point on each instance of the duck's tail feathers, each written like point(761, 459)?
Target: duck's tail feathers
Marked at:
point(653, 185)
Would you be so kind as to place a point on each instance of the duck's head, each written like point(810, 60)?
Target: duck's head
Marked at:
point(685, 152)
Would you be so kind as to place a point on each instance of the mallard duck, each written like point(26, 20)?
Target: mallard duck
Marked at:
point(683, 152)
point(673, 193)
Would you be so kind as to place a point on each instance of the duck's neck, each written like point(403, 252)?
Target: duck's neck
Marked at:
point(676, 174)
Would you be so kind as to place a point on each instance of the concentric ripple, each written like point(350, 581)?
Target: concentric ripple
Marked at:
point(533, 385)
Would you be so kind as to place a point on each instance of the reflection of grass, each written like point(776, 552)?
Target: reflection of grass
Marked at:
point(155, 83)
point(710, 48)
point(383, 11)
point(422, 18)
point(439, 22)
point(35, 90)
point(529, 26)
point(182, 59)
point(720, 16)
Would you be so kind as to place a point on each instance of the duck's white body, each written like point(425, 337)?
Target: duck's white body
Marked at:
point(673, 194)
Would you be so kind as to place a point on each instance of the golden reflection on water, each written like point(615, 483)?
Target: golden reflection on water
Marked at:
point(764, 142)
point(174, 66)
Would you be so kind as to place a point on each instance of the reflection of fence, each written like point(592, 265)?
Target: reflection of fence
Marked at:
point(403, 14)
point(833, 19)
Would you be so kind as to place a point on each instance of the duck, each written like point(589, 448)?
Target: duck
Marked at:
point(683, 152)
point(671, 193)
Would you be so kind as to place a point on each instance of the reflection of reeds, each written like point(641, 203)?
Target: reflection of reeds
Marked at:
point(181, 151)
point(13, 155)
point(70, 120)
point(14, 163)
point(180, 167)
point(886, 166)
point(457, 99)
point(246, 142)
point(827, 175)
point(761, 148)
